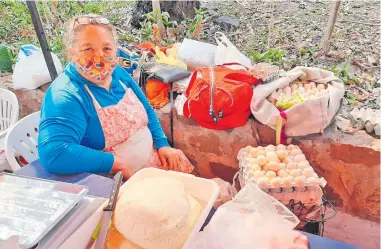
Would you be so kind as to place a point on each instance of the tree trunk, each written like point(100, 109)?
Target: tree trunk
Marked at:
point(325, 41)
point(174, 8)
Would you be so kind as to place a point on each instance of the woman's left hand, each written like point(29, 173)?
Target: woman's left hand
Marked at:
point(169, 158)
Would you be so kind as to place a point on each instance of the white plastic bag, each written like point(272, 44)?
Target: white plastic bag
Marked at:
point(31, 71)
point(252, 220)
point(227, 53)
point(179, 104)
point(309, 117)
point(196, 54)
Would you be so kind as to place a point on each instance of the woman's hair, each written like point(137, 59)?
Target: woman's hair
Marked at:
point(73, 28)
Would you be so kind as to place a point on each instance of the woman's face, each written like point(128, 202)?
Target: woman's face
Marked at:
point(93, 41)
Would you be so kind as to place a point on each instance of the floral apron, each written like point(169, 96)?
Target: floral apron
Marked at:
point(127, 136)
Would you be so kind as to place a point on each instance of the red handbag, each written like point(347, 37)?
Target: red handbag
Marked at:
point(220, 98)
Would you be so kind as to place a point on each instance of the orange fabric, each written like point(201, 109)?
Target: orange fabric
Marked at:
point(150, 46)
point(157, 93)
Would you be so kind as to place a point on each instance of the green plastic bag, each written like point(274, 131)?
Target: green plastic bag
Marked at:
point(5, 59)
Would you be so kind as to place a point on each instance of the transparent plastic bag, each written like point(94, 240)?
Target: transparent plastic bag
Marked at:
point(252, 220)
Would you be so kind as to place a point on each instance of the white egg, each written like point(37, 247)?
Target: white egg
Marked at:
point(313, 84)
point(281, 97)
point(302, 90)
point(293, 86)
point(313, 181)
point(319, 94)
point(254, 153)
point(260, 148)
point(263, 182)
point(290, 147)
point(253, 161)
point(299, 158)
point(291, 165)
point(270, 174)
point(274, 166)
point(274, 95)
point(272, 157)
point(261, 160)
point(270, 148)
point(281, 147)
point(287, 89)
point(282, 166)
point(307, 86)
point(295, 152)
point(281, 154)
point(286, 181)
point(275, 182)
point(248, 148)
point(303, 164)
point(308, 172)
point(288, 160)
point(255, 167)
point(281, 173)
point(295, 172)
point(320, 86)
point(300, 84)
point(288, 94)
point(258, 174)
point(299, 181)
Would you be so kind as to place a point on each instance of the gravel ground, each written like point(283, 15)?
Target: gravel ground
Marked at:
point(297, 28)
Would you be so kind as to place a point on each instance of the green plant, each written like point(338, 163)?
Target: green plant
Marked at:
point(272, 56)
point(343, 72)
point(173, 31)
point(146, 31)
point(16, 28)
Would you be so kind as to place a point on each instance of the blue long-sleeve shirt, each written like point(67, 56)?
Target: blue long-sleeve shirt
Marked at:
point(71, 138)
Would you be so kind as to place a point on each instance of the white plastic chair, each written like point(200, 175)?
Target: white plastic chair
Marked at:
point(22, 139)
point(9, 110)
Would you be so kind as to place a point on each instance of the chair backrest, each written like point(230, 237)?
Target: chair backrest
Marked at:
point(9, 110)
point(22, 139)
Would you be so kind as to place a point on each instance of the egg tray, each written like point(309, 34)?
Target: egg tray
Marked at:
point(245, 174)
point(244, 177)
point(290, 193)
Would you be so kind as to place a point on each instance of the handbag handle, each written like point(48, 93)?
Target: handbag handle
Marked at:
point(247, 78)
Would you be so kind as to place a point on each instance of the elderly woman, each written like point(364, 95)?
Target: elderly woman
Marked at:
point(94, 117)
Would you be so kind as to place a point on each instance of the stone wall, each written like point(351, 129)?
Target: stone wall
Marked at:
point(29, 100)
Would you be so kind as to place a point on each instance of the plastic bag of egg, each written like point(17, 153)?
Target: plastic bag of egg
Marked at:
point(306, 89)
point(278, 167)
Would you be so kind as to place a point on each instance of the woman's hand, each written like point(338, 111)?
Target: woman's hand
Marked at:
point(169, 158)
point(120, 166)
